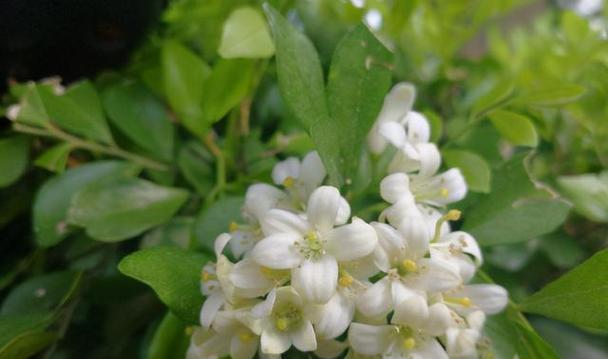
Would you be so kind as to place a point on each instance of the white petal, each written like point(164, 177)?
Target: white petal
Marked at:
point(394, 187)
point(261, 197)
point(335, 316)
point(476, 320)
point(247, 276)
point(241, 242)
point(288, 294)
point(370, 339)
point(323, 206)
point(312, 171)
point(490, 298)
point(430, 159)
point(220, 243)
point(466, 243)
point(281, 221)
point(439, 320)
point(436, 275)
point(351, 241)
point(462, 343)
point(416, 233)
point(410, 308)
point(303, 337)
point(343, 212)
point(277, 251)
point(289, 168)
point(243, 349)
point(390, 248)
point(211, 306)
point(274, 342)
point(418, 128)
point(393, 132)
point(264, 308)
point(376, 300)
point(329, 349)
point(431, 348)
point(316, 280)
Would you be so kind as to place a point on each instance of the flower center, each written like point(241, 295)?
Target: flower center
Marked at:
point(312, 246)
point(286, 317)
point(345, 279)
point(407, 334)
point(406, 267)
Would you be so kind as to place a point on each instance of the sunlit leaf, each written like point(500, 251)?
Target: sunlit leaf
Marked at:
point(55, 158)
point(246, 34)
point(516, 128)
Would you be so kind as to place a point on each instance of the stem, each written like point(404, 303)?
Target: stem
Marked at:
point(220, 161)
point(76, 142)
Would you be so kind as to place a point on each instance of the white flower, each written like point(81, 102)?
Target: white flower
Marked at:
point(329, 349)
point(461, 249)
point(394, 341)
point(461, 343)
point(207, 344)
point(12, 112)
point(284, 322)
point(300, 178)
point(397, 104)
point(253, 280)
point(488, 298)
point(311, 247)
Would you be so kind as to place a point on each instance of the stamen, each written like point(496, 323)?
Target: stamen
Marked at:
point(189, 330)
point(205, 276)
point(282, 324)
point(409, 343)
point(289, 182)
point(345, 280)
point(444, 192)
point(409, 265)
point(233, 227)
point(464, 301)
point(245, 337)
point(452, 215)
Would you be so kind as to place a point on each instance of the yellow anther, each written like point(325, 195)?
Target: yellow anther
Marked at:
point(444, 192)
point(288, 182)
point(233, 227)
point(453, 215)
point(189, 330)
point(205, 276)
point(465, 301)
point(345, 280)
point(245, 337)
point(282, 324)
point(409, 343)
point(409, 265)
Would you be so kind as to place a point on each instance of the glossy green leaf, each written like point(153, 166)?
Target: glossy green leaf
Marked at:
point(177, 232)
point(170, 339)
point(25, 345)
point(54, 197)
point(173, 273)
point(474, 168)
point(228, 83)
point(216, 220)
point(184, 74)
point(42, 293)
point(588, 193)
point(22, 335)
point(78, 110)
point(55, 158)
point(556, 94)
point(579, 297)
point(497, 96)
point(122, 208)
point(246, 34)
point(194, 162)
point(141, 117)
point(14, 153)
point(516, 210)
point(359, 78)
point(516, 128)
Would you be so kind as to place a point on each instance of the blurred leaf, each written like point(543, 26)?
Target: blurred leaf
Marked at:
point(32, 110)
point(579, 297)
point(512, 257)
point(246, 34)
point(563, 250)
point(436, 125)
point(78, 110)
point(514, 127)
point(554, 94)
point(54, 197)
point(184, 74)
point(14, 153)
point(42, 293)
point(516, 210)
point(228, 83)
point(474, 168)
point(177, 232)
point(170, 339)
point(141, 117)
point(194, 162)
point(359, 78)
point(122, 208)
point(22, 335)
point(588, 193)
point(570, 342)
point(216, 220)
point(173, 273)
point(495, 97)
point(55, 158)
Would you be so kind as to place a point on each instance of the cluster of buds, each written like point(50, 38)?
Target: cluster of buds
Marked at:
point(305, 274)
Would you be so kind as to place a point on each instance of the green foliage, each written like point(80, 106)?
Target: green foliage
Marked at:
point(516, 128)
point(588, 193)
point(55, 158)
point(173, 273)
point(246, 34)
point(23, 335)
point(14, 153)
point(215, 220)
point(474, 168)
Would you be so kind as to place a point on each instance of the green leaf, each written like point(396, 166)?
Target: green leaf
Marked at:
point(495, 97)
point(141, 117)
point(436, 125)
point(588, 193)
point(563, 251)
point(14, 153)
point(516, 128)
point(359, 78)
point(554, 94)
point(25, 345)
point(246, 35)
point(579, 297)
point(173, 273)
point(42, 293)
point(184, 74)
point(177, 232)
point(78, 110)
point(169, 339)
point(55, 158)
point(474, 168)
point(122, 208)
point(54, 197)
point(216, 220)
point(230, 81)
point(516, 210)
point(31, 108)
point(194, 162)
point(22, 335)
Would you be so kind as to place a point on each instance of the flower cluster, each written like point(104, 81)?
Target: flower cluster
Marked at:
point(307, 274)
